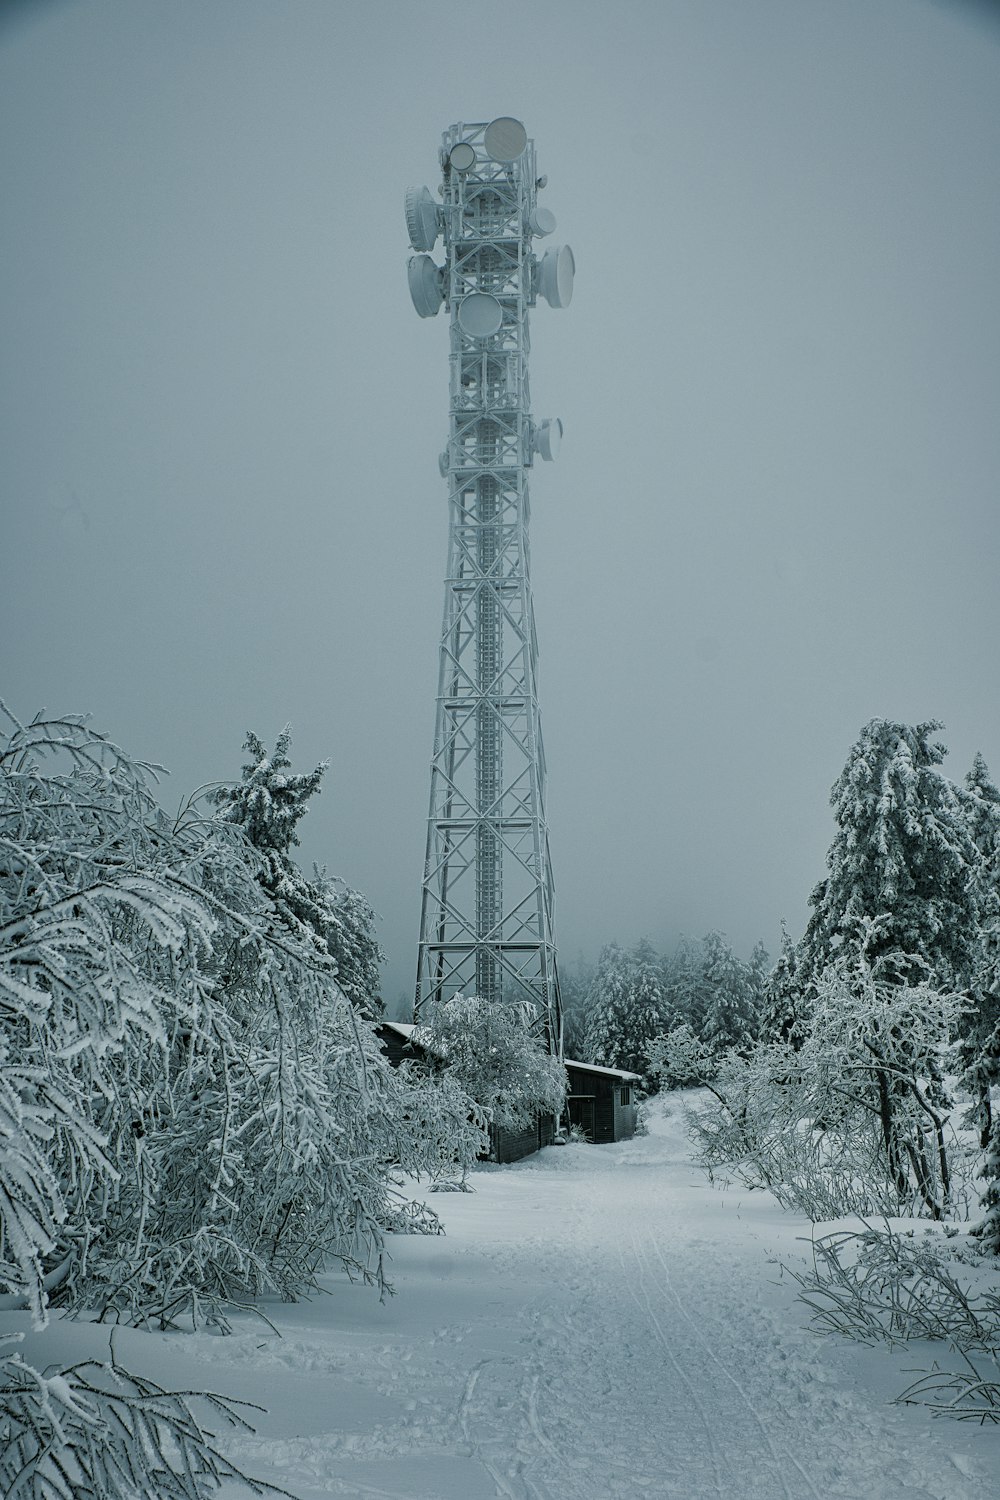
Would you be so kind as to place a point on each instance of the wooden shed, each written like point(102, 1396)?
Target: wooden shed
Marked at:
point(505, 1145)
point(395, 1038)
point(602, 1101)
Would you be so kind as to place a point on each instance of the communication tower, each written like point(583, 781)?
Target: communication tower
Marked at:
point(487, 904)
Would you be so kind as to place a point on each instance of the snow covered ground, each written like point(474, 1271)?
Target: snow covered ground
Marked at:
point(598, 1322)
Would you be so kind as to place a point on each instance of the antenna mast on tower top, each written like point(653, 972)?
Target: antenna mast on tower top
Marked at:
point(486, 921)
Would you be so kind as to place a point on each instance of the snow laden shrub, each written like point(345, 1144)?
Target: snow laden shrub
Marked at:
point(853, 1120)
point(88, 885)
point(679, 1059)
point(95, 1429)
point(193, 1112)
point(877, 1285)
point(101, 937)
point(447, 1133)
point(490, 1048)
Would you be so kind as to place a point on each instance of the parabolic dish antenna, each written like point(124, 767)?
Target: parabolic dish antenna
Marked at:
point(462, 156)
point(480, 315)
point(547, 437)
point(425, 285)
point(422, 220)
point(541, 221)
point(555, 276)
point(505, 139)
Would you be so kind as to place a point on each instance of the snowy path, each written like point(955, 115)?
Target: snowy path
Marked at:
point(602, 1322)
point(598, 1322)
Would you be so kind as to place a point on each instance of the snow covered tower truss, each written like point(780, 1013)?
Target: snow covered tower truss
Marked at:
point(487, 902)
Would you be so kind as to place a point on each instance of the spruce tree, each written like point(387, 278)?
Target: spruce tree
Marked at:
point(627, 1007)
point(732, 1016)
point(686, 988)
point(988, 1229)
point(338, 923)
point(782, 1011)
point(902, 857)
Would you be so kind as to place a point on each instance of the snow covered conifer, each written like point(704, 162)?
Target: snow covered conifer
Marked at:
point(574, 986)
point(685, 987)
point(903, 855)
point(988, 1228)
point(268, 803)
point(782, 1006)
point(732, 1015)
point(626, 1009)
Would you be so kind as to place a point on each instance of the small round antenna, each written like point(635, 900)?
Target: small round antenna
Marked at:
point(462, 156)
point(505, 139)
point(480, 315)
point(541, 221)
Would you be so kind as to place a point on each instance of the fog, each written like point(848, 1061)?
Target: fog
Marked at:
point(773, 515)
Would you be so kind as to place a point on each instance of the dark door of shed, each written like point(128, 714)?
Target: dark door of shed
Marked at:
point(581, 1113)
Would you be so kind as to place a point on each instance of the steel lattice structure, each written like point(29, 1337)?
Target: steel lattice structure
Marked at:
point(486, 923)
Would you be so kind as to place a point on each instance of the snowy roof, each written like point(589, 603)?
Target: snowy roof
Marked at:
point(608, 1072)
point(406, 1030)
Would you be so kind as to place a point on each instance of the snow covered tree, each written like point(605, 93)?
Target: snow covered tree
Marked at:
point(574, 986)
point(980, 1042)
point(853, 1120)
point(782, 1004)
point(979, 1046)
point(90, 887)
point(678, 1058)
point(193, 1113)
point(685, 986)
point(101, 931)
point(903, 855)
point(626, 1007)
point(876, 1040)
point(268, 804)
point(988, 1228)
point(732, 1013)
point(489, 1047)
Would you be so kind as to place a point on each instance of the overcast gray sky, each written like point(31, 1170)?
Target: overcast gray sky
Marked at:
point(774, 513)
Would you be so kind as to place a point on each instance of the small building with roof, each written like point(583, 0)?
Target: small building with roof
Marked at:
point(601, 1101)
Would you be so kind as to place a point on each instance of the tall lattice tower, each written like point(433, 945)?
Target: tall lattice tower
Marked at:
point(487, 905)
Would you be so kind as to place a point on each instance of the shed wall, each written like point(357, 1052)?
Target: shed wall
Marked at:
point(613, 1121)
point(395, 1047)
point(512, 1145)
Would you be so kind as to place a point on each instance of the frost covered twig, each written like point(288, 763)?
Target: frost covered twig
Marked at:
point(96, 1429)
point(966, 1395)
point(878, 1286)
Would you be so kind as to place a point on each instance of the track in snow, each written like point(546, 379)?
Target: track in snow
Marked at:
point(597, 1322)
